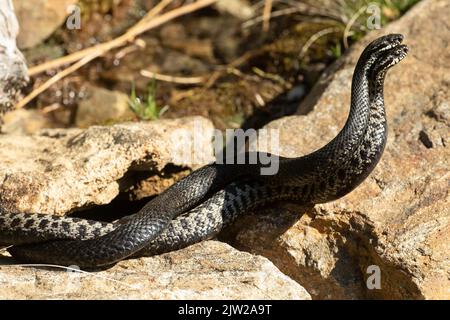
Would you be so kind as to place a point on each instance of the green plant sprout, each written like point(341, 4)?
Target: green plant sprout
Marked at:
point(148, 110)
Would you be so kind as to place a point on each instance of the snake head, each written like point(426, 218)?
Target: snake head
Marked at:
point(384, 43)
point(377, 48)
point(389, 58)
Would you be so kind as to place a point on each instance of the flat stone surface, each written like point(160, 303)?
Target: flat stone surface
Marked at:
point(209, 270)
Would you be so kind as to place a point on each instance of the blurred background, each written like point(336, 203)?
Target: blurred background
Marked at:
point(240, 63)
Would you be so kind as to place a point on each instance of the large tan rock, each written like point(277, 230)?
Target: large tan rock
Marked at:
point(210, 270)
point(25, 121)
point(103, 106)
point(38, 19)
point(399, 218)
point(59, 170)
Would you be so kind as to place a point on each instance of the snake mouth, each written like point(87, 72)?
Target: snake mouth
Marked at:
point(395, 54)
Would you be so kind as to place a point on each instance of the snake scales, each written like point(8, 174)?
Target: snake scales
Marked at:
point(201, 204)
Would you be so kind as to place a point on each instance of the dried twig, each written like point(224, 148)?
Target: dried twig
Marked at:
point(315, 37)
point(350, 24)
point(47, 84)
point(266, 15)
point(278, 13)
point(173, 79)
point(104, 47)
point(232, 65)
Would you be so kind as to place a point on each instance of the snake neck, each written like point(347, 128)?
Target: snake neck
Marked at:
point(337, 152)
point(368, 153)
point(367, 86)
point(339, 167)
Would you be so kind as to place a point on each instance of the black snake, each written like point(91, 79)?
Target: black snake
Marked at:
point(200, 205)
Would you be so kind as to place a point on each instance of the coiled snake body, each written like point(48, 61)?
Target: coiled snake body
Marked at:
point(201, 204)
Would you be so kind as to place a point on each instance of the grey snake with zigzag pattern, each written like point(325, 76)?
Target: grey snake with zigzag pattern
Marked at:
point(200, 205)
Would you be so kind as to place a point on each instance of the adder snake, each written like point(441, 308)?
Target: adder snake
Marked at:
point(201, 204)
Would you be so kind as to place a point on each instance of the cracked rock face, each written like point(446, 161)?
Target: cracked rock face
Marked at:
point(399, 218)
point(65, 169)
point(60, 170)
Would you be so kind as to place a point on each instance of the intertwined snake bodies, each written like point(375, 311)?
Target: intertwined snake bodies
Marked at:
point(200, 205)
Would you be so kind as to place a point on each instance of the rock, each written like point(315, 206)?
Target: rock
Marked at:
point(399, 218)
point(209, 270)
point(13, 68)
point(240, 9)
point(24, 121)
point(103, 106)
point(39, 19)
point(59, 170)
